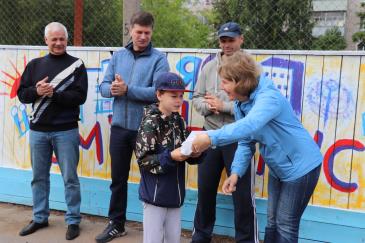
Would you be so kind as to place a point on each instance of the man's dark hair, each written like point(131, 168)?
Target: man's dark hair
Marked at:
point(142, 18)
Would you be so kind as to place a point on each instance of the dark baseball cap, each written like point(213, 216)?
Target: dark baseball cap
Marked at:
point(170, 82)
point(230, 29)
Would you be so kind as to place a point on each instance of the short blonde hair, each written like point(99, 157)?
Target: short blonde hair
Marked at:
point(242, 69)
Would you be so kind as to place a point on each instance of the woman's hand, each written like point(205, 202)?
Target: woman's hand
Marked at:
point(229, 184)
point(178, 156)
point(200, 143)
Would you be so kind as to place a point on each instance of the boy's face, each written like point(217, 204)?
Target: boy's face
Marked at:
point(170, 101)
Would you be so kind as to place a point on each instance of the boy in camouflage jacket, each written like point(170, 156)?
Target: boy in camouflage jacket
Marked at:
point(162, 166)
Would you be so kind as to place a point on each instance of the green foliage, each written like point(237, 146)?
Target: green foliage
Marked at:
point(176, 26)
point(331, 40)
point(22, 22)
point(103, 23)
point(360, 35)
point(269, 24)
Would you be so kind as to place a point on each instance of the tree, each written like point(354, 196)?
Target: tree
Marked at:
point(331, 40)
point(103, 23)
point(269, 24)
point(175, 25)
point(22, 22)
point(6, 22)
point(359, 36)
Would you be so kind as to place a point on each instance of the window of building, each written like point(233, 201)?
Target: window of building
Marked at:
point(362, 23)
point(329, 19)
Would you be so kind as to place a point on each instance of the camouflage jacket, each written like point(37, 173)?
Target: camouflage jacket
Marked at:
point(162, 179)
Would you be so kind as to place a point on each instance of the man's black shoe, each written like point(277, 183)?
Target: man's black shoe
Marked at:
point(32, 227)
point(112, 231)
point(73, 230)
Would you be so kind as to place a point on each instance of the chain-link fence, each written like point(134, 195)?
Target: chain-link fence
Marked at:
point(294, 24)
point(22, 22)
point(266, 24)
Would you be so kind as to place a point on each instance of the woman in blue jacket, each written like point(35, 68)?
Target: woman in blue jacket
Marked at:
point(264, 116)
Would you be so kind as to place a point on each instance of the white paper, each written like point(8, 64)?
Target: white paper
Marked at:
point(186, 145)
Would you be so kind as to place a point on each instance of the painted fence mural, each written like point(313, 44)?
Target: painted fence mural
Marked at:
point(327, 93)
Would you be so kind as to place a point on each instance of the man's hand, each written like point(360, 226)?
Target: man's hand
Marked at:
point(44, 88)
point(178, 156)
point(49, 94)
point(118, 87)
point(214, 103)
point(229, 184)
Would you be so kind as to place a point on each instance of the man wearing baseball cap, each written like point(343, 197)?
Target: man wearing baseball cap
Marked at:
point(161, 163)
point(213, 103)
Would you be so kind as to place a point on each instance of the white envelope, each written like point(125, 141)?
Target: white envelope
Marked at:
point(186, 145)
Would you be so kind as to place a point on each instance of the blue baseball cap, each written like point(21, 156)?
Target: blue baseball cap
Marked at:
point(230, 29)
point(170, 82)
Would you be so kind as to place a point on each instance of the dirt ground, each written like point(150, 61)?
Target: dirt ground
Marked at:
point(13, 217)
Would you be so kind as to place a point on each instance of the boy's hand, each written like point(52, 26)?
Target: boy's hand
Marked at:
point(195, 155)
point(178, 156)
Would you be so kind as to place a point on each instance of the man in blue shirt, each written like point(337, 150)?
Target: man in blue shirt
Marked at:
point(129, 79)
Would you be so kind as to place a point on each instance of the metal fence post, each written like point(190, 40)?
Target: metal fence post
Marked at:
point(129, 8)
point(79, 12)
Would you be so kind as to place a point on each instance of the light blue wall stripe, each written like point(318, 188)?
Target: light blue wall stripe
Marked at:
point(318, 224)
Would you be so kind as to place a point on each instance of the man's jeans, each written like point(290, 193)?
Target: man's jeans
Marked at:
point(286, 204)
point(65, 145)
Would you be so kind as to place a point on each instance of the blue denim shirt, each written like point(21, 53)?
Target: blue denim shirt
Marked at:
point(139, 73)
point(268, 118)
